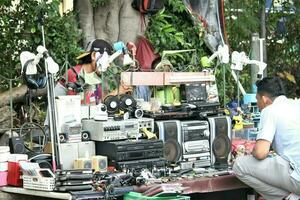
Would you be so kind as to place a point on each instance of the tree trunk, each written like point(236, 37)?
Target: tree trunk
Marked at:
point(18, 95)
point(116, 21)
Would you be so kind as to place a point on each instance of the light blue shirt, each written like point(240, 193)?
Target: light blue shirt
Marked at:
point(280, 125)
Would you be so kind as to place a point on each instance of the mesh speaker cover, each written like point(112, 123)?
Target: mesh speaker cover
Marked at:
point(221, 146)
point(87, 165)
point(171, 131)
point(19, 148)
point(172, 150)
point(102, 164)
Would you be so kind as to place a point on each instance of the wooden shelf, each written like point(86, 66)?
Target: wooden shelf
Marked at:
point(165, 78)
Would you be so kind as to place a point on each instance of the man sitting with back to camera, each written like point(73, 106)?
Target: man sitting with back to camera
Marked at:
point(274, 176)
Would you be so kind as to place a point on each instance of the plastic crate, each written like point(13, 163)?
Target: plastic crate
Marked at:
point(139, 196)
point(39, 182)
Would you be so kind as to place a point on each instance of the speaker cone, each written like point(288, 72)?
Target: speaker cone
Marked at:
point(102, 164)
point(221, 147)
point(127, 102)
point(112, 104)
point(87, 165)
point(85, 136)
point(172, 150)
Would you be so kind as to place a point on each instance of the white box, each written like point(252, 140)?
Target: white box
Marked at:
point(68, 110)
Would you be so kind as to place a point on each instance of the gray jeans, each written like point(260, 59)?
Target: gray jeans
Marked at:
point(269, 177)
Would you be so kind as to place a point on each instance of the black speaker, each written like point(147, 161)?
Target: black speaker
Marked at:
point(85, 136)
point(16, 145)
point(63, 137)
point(170, 132)
point(112, 104)
point(220, 140)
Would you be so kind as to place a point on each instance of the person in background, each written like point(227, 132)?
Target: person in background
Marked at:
point(84, 78)
point(274, 176)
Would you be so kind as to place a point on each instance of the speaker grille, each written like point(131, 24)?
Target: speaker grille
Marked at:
point(221, 126)
point(171, 131)
point(220, 140)
point(172, 140)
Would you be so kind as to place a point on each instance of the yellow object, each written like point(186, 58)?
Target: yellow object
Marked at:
point(149, 134)
point(99, 163)
point(238, 125)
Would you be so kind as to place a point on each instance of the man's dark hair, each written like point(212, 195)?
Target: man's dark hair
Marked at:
point(271, 87)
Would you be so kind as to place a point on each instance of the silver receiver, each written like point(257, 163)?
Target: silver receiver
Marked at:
point(110, 129)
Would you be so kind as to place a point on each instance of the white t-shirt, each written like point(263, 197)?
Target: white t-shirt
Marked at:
point(280, 125)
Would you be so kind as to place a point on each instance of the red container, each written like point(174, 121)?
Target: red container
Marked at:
point(14, 174)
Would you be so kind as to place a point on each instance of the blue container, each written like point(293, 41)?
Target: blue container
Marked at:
point(249, 98)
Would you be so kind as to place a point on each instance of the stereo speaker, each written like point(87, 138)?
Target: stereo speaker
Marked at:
point(83, 163)
point(99, 163)
point(170, 132)
point(16, 145)
point(112, 104)
point(220, 140)
point(63, 137)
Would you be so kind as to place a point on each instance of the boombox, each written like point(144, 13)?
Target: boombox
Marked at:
point(220, 140)
point(170, 132)
point(195, 144)
point(195, 135)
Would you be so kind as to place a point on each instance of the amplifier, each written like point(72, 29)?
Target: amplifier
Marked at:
point(140, 164)
point(104, 130)
point(130, 150)
point(111, 130)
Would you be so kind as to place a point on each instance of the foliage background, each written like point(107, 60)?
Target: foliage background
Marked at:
point(171, 29)
point(21, 31)
point(174, 29)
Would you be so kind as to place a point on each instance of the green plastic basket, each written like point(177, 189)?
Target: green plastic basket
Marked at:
point(139, 196)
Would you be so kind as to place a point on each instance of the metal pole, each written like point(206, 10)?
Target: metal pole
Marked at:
point(11, 105)
point(51, 114)
point(255, 55)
